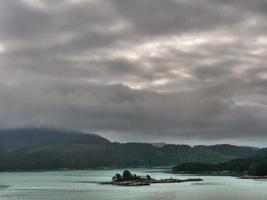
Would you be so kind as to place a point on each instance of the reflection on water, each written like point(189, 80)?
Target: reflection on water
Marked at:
point(208, 183)
point(4, 186)
point(81, 185)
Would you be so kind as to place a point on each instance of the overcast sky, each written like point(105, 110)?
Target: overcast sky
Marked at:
point(179, 71)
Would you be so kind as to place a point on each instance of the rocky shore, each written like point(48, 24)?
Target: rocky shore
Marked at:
point(129, 179)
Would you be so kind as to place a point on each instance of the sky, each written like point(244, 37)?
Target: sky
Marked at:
point(176, 71)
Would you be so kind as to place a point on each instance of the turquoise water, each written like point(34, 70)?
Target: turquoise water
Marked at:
point(80, 185)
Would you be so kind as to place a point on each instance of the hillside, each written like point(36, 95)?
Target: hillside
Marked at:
point(42, 149)
point(245, 166)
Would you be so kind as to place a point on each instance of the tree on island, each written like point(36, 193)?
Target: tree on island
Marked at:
point(117, 178)
point(127, 175)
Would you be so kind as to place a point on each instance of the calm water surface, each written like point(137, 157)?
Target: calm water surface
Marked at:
point(79, 185)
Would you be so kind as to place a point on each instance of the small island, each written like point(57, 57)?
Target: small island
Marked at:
point(129, 179)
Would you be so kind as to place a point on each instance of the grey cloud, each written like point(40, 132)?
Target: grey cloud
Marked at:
point(199, 67)
point(163, 17)
point(118, 108)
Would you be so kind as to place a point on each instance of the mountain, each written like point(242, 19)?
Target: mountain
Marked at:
point(44, 149)
point(230, 150)
point(18, 138)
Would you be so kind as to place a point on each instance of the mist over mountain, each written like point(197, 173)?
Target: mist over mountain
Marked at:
point(17, 138)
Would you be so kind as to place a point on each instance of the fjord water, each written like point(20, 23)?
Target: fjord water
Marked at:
point(81, 185)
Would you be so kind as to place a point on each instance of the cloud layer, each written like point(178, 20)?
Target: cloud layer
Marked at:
point(136, 69)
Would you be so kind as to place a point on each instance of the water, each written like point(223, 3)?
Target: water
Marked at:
point(81, 185)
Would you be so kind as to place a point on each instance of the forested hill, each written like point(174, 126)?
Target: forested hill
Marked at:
point(31, 149)
point(255, 166)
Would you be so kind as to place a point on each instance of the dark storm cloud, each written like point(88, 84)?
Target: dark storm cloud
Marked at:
point(136, 69)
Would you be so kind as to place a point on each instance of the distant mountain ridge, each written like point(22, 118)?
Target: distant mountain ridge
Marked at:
point(45, 149)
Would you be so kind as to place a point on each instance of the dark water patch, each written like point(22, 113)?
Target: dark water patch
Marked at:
point(4, 186)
